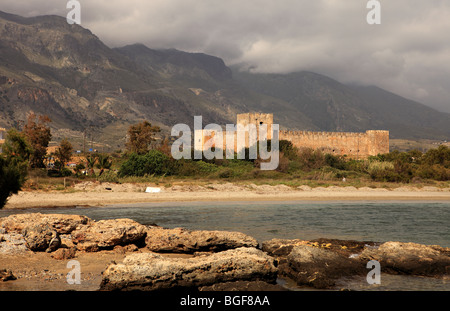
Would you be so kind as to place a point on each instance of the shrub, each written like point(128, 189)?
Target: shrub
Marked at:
point(154, 162)
point(12, 178)
point(227, 173)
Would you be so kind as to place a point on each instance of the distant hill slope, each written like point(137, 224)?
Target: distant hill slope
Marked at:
point(405, 118)
point(333, 106)
point(50, 67)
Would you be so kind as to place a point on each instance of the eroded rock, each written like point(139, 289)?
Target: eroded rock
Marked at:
point(38, 237)
point(105, 234)
point(62, 223)
point(410, 258)
point(180, 240)
point(319, 267)
point(6, 275)
point(150, 271)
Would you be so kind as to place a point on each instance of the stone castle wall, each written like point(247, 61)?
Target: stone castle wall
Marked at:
point(354, 145)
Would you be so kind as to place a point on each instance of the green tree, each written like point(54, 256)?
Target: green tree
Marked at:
point(16, 147)
point(90, 161)
point(38, 134)
point(104, 162)
point(13, 165)
point(64, 153)
point(154, 162)
point(140, 137)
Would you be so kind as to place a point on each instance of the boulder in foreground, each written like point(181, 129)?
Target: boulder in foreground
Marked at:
point(150, 271)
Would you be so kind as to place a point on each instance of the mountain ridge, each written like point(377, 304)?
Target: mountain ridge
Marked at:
point(50, 67)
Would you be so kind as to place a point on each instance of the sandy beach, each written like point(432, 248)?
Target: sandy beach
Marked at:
point(101, 194)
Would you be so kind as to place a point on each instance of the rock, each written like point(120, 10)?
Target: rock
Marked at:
point(283, 247)
point(150, 271)
point(318, 267)
point(124, 249)
point(180, 240)
point(105, 234)
point(410, 258)
point(63, 224)
point(38, 237)
point(64, 253)
point(13, 244)
point(6, 275)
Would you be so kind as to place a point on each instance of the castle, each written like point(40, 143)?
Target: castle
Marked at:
point(353, 145)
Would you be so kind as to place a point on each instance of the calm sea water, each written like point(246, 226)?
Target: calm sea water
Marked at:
point(419, 222)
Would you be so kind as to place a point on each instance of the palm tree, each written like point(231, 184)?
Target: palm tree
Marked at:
point(91, 159)
point(104, 163)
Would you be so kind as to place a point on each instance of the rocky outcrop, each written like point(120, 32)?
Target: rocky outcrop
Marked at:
point(64, 253)
point(105, 234)
point(180, 240)
point(13, 244)
point(283, 247)
point(410, 259)
point(61, 223)
point(319, 268)
point(150, 271)
point(6, 275)
point(317, 263)
point(41, 237)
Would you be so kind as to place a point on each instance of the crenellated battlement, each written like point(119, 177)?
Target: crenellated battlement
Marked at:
point(351, 144)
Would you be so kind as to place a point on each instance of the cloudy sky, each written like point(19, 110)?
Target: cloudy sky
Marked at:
point(408, 53)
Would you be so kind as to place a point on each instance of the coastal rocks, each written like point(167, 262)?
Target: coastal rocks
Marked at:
point(317, 263)
point(6, 275)
point(150, 271)
point(61, 223)
point(41, 237)
point(319, 268)
point(64, 253)
point(410, 259)
point(13, 244)
point(180, 240)
point(105, 234)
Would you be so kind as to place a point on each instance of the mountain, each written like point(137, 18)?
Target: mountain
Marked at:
point(66, 72)
point(333, 106)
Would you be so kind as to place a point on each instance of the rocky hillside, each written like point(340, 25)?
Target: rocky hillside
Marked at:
point(50, 67)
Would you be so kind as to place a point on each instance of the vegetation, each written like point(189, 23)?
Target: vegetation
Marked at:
point(64, 153)
point(296, 166)
point(140, 137)
point(14, 162)
point(38, 134)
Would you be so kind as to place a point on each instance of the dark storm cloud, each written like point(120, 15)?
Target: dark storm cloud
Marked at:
point(409, 53)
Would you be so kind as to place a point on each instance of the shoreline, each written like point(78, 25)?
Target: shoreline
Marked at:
point(103, 194)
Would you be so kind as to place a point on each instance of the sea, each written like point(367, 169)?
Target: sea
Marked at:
point(424, 222)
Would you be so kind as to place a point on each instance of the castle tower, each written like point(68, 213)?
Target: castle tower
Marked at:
point(257, 119)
